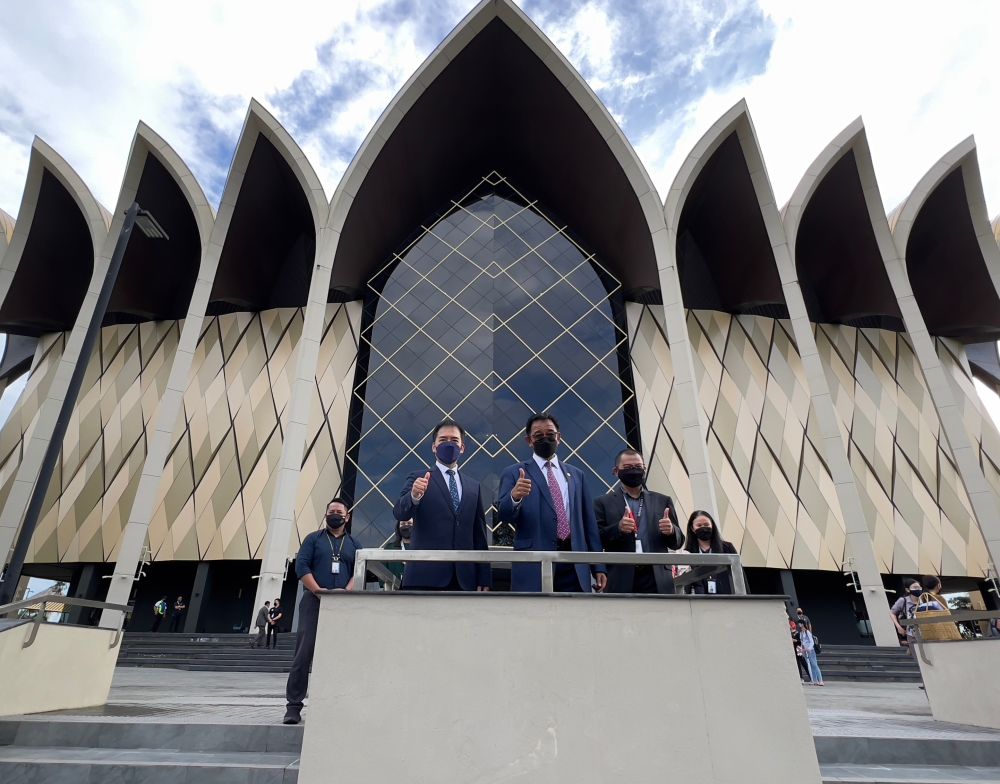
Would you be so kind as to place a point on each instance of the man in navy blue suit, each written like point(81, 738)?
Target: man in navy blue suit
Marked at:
point(550, 507)
point(447, 511)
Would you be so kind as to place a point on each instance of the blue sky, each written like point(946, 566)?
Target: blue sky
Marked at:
point(666, 69)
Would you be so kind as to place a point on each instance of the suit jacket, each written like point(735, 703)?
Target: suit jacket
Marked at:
point(261, 621)
point(723, 584)
point(437, 527)
point(609, 510)
point(534, 522)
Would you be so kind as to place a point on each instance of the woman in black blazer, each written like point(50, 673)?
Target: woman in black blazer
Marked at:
point(703, 537)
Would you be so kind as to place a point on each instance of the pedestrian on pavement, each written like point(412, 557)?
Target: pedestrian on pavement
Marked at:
point(801, 617)
point(905, 608)
point(325, 564)
point(261, 624)
point(274, 616)
point(159, 613)
point(180, 610)
point(800, 658)
point(808, 643)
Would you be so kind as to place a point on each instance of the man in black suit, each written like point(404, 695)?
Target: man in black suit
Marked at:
point(447, 512)
point(632, 519)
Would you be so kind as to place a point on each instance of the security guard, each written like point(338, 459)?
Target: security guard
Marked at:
point(325, 563)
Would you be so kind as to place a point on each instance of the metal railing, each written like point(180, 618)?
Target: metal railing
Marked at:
point(702, 565)
point(40, 603)
point(958, 617)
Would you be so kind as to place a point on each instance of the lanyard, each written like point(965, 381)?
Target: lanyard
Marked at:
point(334, 551)
point(642, 503)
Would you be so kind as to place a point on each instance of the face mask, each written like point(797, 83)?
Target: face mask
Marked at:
point(705, 534)
point(544, 447)
point(916, 594)
point(404, 533)
point(631, 477)
point(334, 520)
point(447, 453)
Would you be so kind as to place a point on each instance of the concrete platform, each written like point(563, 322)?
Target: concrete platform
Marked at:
point(177, 726)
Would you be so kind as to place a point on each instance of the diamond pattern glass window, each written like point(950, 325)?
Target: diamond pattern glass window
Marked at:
point(492, 312)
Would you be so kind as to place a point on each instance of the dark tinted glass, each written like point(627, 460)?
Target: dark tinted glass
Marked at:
point(491, 314)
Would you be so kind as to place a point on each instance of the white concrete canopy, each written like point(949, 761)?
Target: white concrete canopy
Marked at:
point(45, 163)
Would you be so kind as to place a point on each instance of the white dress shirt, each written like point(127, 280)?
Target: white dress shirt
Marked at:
point(444, 473)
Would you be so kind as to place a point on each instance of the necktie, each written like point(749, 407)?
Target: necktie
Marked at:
point(453, 489)
point(562, 519)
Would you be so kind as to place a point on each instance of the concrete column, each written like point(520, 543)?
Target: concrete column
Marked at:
point(85, 586)
point(859, 540)
point(788, 588)
point(299, 590)
point(160, 432)
point(200, 592)
point(281, 522)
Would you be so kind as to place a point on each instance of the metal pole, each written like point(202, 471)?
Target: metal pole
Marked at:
point(12, 575)
point(548, 584)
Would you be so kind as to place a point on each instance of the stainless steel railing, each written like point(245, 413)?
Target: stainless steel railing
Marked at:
point(40, 603)
point(703, 565)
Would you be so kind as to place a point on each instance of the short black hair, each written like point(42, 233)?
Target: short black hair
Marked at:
point(338, 500)
point(277, 601)
point(266, 602)
point(929, 582)
point(626, 451)
point(543, 416)
point(446, 422)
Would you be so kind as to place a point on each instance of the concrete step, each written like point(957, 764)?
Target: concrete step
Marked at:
point(54, 765)
point(106, 734)
point(909, 774)
point(848, 750)
point(69, 750)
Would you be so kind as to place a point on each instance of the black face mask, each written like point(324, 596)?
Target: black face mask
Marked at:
point(544, 447)
point(916, 594)
point(334, 521)
point(404, 534)
point(631, 477)
point(705, 534)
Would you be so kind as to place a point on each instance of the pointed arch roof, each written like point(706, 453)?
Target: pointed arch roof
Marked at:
point(943, 232)
point(721, 217)
point(157, 276)
point(496, 95)
point(59, 233)
point(838, 236)
point(272, 210)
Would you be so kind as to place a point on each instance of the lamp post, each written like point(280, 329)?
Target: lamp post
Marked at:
point(135, 216)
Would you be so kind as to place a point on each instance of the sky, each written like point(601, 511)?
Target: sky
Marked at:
point(921, 74)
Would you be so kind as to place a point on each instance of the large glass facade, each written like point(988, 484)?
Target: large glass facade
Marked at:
point(491, 313)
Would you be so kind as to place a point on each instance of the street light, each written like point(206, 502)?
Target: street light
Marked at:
point(135, 216)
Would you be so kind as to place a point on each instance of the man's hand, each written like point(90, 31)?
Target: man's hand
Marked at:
point(522, 487)
point(482, 589)
point(627, 524)
point(602, 581)
point(666, 525)
point(420, 486)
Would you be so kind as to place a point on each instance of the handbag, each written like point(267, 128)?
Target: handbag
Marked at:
point(935, 632)
point(816, 646)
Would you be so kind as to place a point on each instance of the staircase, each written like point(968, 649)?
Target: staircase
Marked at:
point(205, 652)
point(868, 663)
point(73, 750)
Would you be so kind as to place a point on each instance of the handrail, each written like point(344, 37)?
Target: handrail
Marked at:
point(706, 564)
point(44, 599)
point(955, 616)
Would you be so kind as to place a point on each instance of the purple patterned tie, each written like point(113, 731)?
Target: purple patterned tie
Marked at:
point(562, 520)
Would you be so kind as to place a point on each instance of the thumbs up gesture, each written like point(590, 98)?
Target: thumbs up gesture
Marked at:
point(522, 487)
point(627, 524)
point(666, 525)
point(420, 486)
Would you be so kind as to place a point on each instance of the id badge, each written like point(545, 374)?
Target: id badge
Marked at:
point(335, 568)
point(711, 586)
point(638, 545)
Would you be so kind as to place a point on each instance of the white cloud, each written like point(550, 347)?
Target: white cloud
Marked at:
point(921, 75)
point(82, 76)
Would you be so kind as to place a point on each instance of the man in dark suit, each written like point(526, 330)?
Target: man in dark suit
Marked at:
point(447, 512)
point(632, 519)
point(550, 508)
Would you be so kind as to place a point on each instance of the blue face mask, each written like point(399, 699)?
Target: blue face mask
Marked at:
point(447, 452)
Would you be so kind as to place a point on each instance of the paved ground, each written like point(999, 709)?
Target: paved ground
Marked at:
point(880, 710)
point(146, 694)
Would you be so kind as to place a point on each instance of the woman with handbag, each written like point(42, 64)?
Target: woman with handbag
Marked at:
point(931, 605)
point(808, 643)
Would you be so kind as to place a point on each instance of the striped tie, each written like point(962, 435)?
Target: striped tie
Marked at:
point(453, 489)
point(562, 519)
